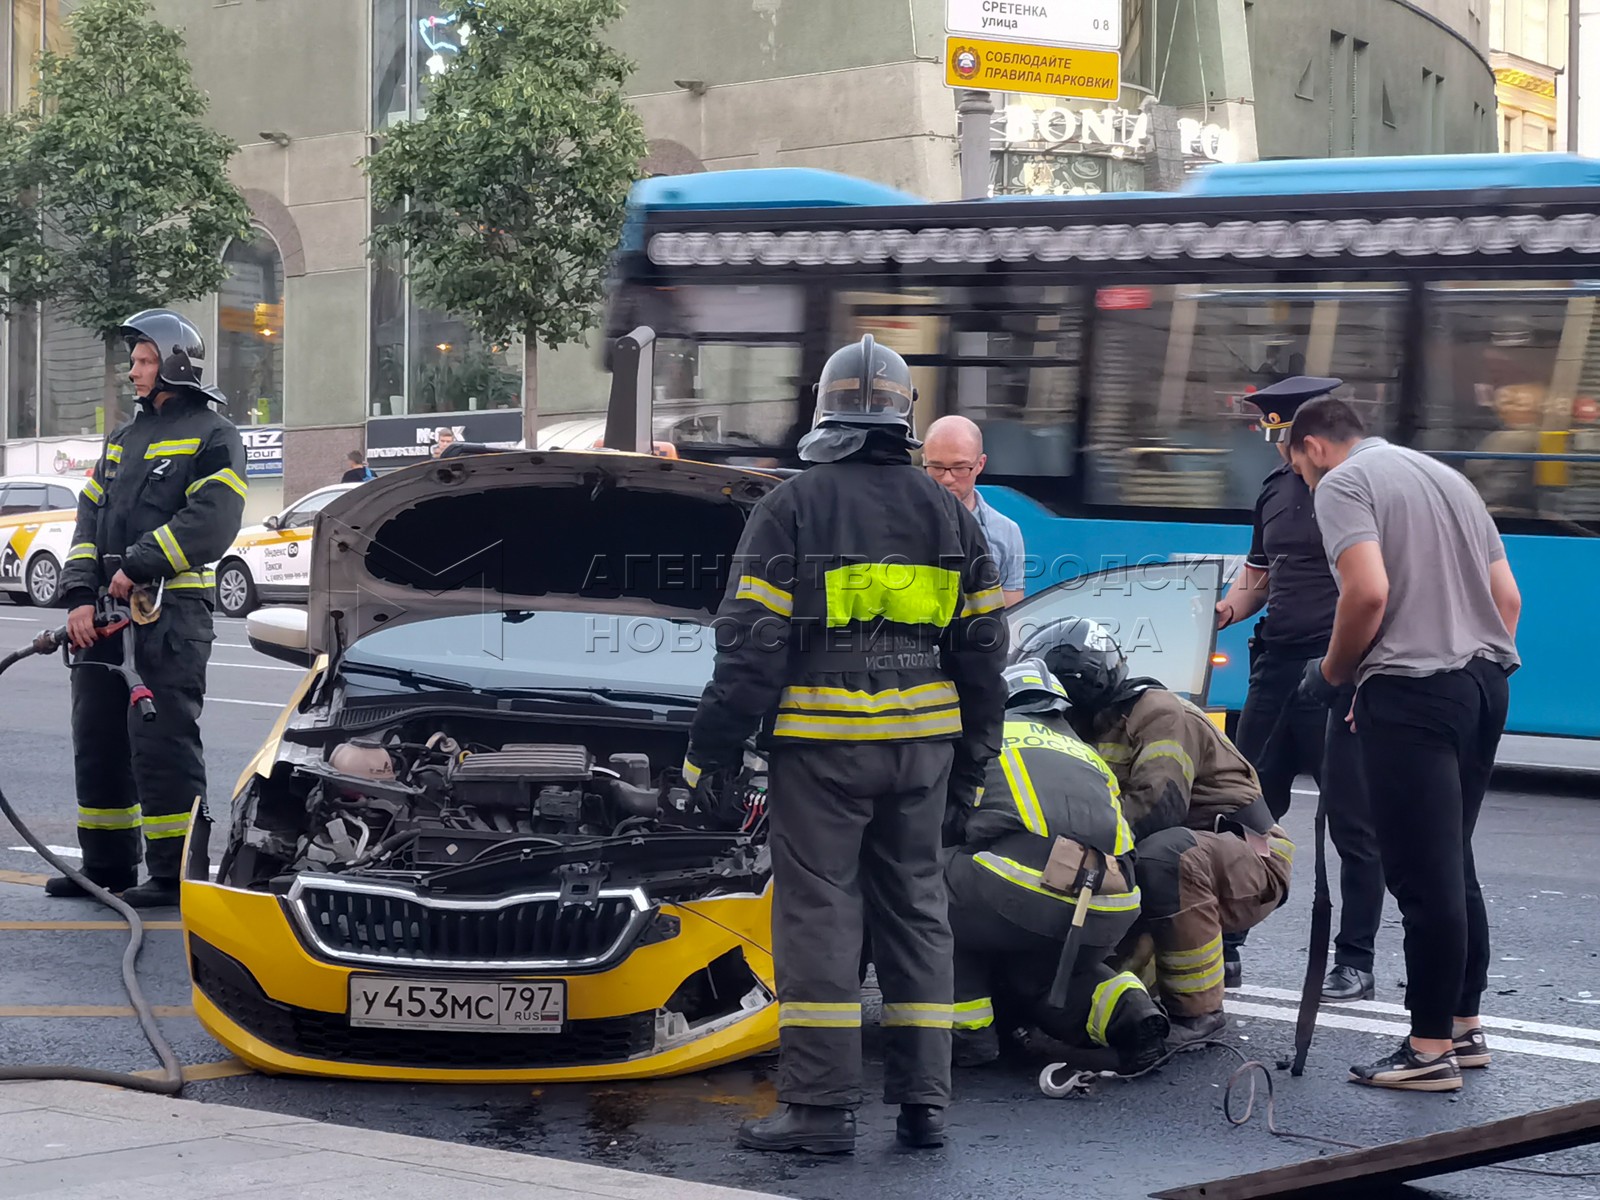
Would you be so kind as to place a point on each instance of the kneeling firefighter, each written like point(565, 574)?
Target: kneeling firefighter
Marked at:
point(1211, 859)
point(165, 498)
point(1045, 825)
point(863, 623)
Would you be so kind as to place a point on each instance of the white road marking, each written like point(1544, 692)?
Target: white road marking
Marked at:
point(63, 851)
point(256, 666)
point(254, 703)
point(1339, 1020)
point(1570, 1032)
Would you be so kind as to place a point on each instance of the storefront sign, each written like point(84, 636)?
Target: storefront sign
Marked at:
point(1113, 129)
point(263, 450)
point(1096, 24)
point(58, 456)
point(401, 441)
point(1027, 67)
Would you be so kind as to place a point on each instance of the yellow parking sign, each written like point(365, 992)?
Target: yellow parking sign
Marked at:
point(988, 66)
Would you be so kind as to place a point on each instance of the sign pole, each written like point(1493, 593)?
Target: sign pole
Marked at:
point(976, 110)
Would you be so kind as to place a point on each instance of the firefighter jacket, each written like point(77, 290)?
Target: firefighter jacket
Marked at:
point(167, 496)
point(1046, 784)
point(1173, 765)
point(862, 606)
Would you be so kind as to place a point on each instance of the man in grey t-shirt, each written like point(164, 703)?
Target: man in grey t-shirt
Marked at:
point(1424, 636)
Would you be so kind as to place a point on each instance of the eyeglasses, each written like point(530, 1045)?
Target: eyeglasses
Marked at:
point(959, 470)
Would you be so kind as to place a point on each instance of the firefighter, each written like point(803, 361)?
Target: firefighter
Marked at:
point(165, 498)
point(1211, 859)
point(1011, 913)
point(863, 630)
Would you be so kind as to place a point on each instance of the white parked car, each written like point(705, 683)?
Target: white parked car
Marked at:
point(37, 517)
point(272, 561)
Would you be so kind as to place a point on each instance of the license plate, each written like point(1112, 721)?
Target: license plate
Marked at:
point(534, 1006)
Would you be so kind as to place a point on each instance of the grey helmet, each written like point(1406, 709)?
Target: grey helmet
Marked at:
point(865, 384)
point(1031, 688)
point(177, 341)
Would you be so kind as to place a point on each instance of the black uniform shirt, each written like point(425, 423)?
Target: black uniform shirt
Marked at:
point(1301, 590)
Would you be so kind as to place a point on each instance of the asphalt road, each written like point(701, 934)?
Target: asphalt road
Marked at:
point(61, 1000)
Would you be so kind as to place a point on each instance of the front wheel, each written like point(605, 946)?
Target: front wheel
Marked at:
point(44, 581)
point(236, 591)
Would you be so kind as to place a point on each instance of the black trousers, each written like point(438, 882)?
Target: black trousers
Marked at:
point(137, 781)
point(856, 833)
point(1312, 740)
point(1429, 745)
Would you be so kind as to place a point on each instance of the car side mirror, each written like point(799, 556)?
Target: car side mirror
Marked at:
point(281, 633)
point(271, 522)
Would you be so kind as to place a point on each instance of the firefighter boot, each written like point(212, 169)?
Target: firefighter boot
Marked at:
point(112, 881)
point(920, 1126)
point(807, 1127)
point(1137, 1032)
point(974, 1047)
point(155, 892)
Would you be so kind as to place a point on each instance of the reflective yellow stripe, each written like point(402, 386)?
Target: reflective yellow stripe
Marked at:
point(169, 547)
point(172, 449)
point(108, 818)
point(193, 579)
point(920, 1016)
point(1167, 748)
point(1283, 848)
point(842, 700)
point(1022, 791)
point(1203, 956)
point(763, 593)
point(973, 1014)
point(1027, 877)
point(227, 476)
point(986, 601)
point(113, 453)
point(82, 550)
point(1187, 984)
point(899, 592)
point(691, 773)
point(871, 729)
point(94, 491)
point(1103, 1004)
point(1114, 752)
point(819, 1016)
point(166, 827)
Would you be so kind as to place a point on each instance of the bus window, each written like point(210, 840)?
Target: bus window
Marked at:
point(1007, 357)
point(1513, 373)
point(741, 395)
point(1171, 364)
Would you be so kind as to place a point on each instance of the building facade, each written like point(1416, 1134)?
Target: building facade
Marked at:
point(323, 349)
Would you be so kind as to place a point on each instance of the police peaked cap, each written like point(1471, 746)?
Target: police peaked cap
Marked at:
point(1279, 402)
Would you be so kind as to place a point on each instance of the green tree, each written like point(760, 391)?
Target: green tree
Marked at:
point(514, 183)
point(131, 198)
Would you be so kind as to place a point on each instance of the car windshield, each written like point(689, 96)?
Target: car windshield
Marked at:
point(597, 652)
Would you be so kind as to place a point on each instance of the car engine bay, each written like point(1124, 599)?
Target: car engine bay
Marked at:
point(431, 793)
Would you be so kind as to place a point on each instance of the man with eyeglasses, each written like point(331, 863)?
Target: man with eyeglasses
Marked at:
point(952, 452)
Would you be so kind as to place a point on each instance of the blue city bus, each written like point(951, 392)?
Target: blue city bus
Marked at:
point(1107, 347)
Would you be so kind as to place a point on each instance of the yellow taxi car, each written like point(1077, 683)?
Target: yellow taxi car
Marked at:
point(465, 852)
point(271, 562)
point(37, 516)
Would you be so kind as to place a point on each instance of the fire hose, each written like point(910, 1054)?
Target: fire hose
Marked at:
point(112, 620)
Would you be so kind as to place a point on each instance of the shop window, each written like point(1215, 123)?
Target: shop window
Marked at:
point(250, 331)
point(452, 370)
point(73, 362)
point(388, 372)
point(22, 372)
point(391, 93)
point(1513, 373)
point(1172, 365)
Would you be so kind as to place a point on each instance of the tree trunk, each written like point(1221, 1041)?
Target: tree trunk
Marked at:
point(116, 380)
point(530, 389)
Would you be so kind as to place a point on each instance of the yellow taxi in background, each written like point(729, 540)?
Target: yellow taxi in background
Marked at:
point(37, 516)
point(271, 562)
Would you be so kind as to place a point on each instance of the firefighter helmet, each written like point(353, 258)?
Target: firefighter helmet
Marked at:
point(177, 341)
point(1030, 688)
point(865, 384)
point(1082, 655)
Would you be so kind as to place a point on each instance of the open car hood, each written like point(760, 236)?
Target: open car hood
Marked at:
point(526, 530)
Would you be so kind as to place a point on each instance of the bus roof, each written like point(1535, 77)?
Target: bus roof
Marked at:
point(763, 187)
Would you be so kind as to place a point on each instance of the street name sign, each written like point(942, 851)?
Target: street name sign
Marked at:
point(1092, 24)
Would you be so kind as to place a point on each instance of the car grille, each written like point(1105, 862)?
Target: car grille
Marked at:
point(536, 932)
point(329, 1037)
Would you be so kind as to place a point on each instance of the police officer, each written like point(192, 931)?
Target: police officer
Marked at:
point(1282, 732)
point(1211, 860)
point(863, 618)
point(1011, 913)
point(166, 498)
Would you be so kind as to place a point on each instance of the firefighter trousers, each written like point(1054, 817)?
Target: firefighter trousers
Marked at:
point(855, 836)
point(998, 960)
point(1197, 886)
point(138, 781)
